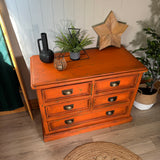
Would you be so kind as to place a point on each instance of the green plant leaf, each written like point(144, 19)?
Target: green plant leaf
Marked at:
point(152, 56)
point(73, 41)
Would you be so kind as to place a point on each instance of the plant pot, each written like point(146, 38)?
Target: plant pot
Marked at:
point(144, 99)
point(74, 56)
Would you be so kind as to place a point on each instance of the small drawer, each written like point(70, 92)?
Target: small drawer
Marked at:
point(66, 91)
point(101, 115)
point(115, 83)
point(67, 108)
point(112, 98)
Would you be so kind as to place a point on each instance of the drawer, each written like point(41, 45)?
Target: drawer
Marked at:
point(66, 91)
point(67, 108)
point(105, 114)
point(112, 98)
point(115, 83)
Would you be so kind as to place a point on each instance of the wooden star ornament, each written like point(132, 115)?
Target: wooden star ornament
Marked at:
point(110, 32)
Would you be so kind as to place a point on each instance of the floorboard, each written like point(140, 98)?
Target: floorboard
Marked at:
point(21, 138)
point(21, 109)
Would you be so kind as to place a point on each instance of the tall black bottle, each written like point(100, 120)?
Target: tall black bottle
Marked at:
point(46, 55)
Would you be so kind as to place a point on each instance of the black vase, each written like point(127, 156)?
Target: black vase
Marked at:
point(46, 55)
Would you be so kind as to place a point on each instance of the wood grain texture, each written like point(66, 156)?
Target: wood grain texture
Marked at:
point(22, 109)
point(69, 108)
point(70, 86)
point(110, 32)
point(125, 82)
point(79, 89)
point(112, 97)
point(21, 138)
point(106, 62)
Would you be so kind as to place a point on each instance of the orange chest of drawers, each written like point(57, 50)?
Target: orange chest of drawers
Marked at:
point(90, 94)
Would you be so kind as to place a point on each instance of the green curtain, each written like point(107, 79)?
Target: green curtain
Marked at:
point(10, 98)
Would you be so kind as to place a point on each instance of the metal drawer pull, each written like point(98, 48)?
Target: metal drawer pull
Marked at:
point(112, 99)
point(69, 121)
point(67, 92)
point(109, 113)
point(114, 84)
point(68, 107)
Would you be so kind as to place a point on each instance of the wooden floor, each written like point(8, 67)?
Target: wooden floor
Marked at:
point(21, 109)
point(21, 138)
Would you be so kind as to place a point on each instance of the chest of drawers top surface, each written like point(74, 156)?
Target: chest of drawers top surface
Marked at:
point(110, 61)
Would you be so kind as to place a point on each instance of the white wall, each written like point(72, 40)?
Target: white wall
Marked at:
point(31, 17)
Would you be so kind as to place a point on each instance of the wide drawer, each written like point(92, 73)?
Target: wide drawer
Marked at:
point(67, 108)
point(112, 98)
point(66, 91)
point(115, 83)
point(105, 114)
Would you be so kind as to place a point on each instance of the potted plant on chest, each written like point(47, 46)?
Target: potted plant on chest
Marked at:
point(73, 41)
point(146, 96)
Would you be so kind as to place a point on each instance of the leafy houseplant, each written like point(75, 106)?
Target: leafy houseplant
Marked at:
point(73, 41)
point(151, 59)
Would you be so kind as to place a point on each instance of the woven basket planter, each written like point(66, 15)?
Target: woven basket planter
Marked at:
point(145, 101)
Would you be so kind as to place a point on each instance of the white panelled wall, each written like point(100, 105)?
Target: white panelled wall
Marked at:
point(31, 17)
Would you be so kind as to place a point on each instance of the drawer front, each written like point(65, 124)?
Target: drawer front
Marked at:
point(112, 98)
point(105, 114)
point(66, 91)
point(67, 108)
point(115, 83)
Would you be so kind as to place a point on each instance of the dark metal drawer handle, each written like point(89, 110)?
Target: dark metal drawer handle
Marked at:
point(112, 99)
point(69, 121)
point(68, 107)
point(109, 113)
point(67, 92)
point(115, 84)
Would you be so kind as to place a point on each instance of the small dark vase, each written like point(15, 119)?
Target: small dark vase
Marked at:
point(46, 55)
